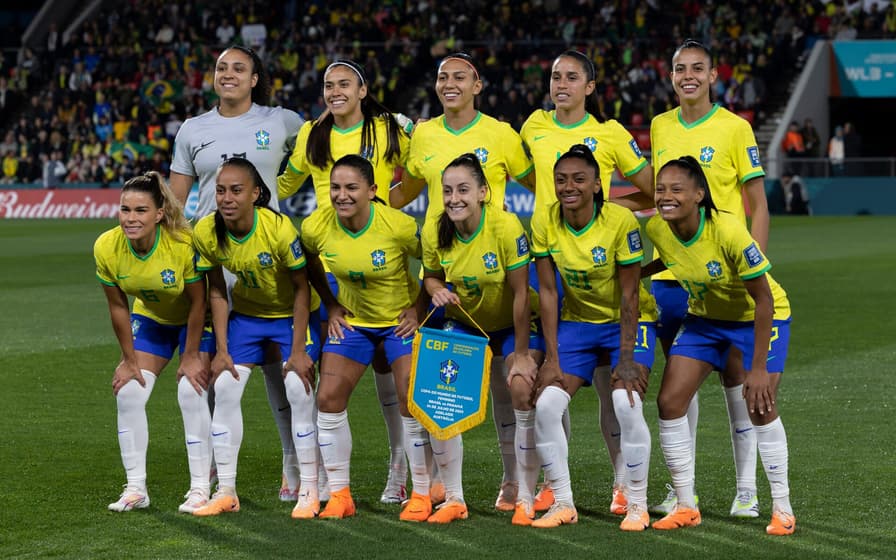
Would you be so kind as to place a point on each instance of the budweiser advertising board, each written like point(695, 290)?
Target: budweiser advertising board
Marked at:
point(63, 203)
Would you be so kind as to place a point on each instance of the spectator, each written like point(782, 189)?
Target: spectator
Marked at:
point(837, 152)
point(793, 144)
point(10, 168)
point(54, 170)
point(225, 32)
point(811, 140)
point(796, 196)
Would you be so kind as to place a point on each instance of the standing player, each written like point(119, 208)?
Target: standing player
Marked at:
point(150, 257)
point(484, 252)
point(548, 134)
point(727, 150)
point(366, 246)
point(463, 129)
point(242, 125)
point(271, 301)
point(355, 123)
point(732, 302)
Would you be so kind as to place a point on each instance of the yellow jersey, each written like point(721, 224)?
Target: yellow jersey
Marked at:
point(478, 266)
point(712, 266)
point(261, 261)
point(499, 149)
point(155, 280)
point(370, 266)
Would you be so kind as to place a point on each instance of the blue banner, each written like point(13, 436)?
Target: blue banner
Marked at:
point(865, 68)
point(449, 384)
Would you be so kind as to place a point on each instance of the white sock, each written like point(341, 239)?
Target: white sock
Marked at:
point(197, 432)
point(527, 463)
point(675, 440)
point(550, 441)
point(227, 423)
point(743, 439)
point(634, 445)
point(449, 454)
point(304, 431)
point(273, 384)
point(133, 429)
point(388, 396)
point(502, 414)
point(334, 437)
point(609, 425)
point(773, 450)
point(419, 451)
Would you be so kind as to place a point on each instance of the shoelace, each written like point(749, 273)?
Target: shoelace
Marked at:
point(744, 498)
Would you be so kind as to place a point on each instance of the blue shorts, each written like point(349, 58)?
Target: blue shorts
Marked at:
point(161, 340)
point(334, 287)
point(247, 337)
point(503, 338)
point(533, 283)
point(709, 341)
point(672, 301)
point(580, 346)
point(359, 344)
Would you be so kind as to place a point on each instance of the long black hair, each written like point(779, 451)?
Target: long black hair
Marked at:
point(317, 150)
point(694, 171)
point(447, 229)
point(261, 93)
point(264, 195)
point(362, 166)
point(582, 152)
point(153, 184)
point(592, 104)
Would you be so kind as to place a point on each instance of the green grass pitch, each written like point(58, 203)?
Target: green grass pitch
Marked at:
point(59, 461)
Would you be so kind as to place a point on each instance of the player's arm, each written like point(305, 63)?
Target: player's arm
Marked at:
point(435, 286)
point(644, 198)
point(120, 314)
point(180, 185)
point(654, 267)
point(191, 365)
point(549, 373)
point(217, 300)
point(522, 365)
point(759, 217)
point(406, 191)
point(299, 361)
point(627, 371)
point(758, 391)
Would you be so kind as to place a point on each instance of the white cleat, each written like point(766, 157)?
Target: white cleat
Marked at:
point(131, 498)
point(195, 499)
point(745, 504)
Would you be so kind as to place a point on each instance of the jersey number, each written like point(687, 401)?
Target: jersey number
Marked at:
point(248, 279)
point(577, 278)
point(357, 277)
point(149, 295)
point(473, 289)
point(695, 289)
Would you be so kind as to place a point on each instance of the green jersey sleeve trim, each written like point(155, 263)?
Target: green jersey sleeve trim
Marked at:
point(105, 282)
point(204, 268)
point(426, 268)
point(194, 279)
point(631, 261)
point(292, 168)
point(517, 265)
point(526, 172)
point(757, 274)
point(541, 255)
point(641, 166)
point(298, 266)
point(752, 176)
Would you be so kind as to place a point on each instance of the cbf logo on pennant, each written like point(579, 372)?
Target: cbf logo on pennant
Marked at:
point(449, 385)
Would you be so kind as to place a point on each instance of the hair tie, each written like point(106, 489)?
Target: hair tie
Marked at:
point(462, 59)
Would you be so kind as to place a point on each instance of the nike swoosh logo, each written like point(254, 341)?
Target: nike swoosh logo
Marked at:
point(741, 431)
point(443, 263)
point(635, 465)
point(193, 442)
point(615, 435)
point(218, 434)
point(203, 146)
point(537, 138)
point(660, 152)
point(770, 358)
point(331, 255)
point(389, 403)
point(324, 444)
point(670, 265)
point(434, 452)
point(123, 431)
point(546, 466)
point(406, 341)
point(503, 425)
point(282, 409)
point(301, 435)
point(427, 158)
point(123, 276)
point(419, 444)
point(526, 448)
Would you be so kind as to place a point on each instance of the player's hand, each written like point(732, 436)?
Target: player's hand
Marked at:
point(444, 296)
point(758, 392)
point(223, 362)
point(124, 372)
point(407, 323)
point(630, 374)
point(301, 364)
point(336, 322)
point(548, 374)
point(523, 367)
point(192, 367)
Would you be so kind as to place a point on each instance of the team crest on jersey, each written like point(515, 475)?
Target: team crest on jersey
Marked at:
point(448, 372)
point(522, 245)
point(714, 268)
point(265, 259)
point(262, 139)
point(168, 277)
point(482, 154)
point(753, 255)
point(599, 255)
point(378, 258)
point(591, 142)
point(753, 154)
point(135, 327)
point(296, 248)
point(634, 146)
point(634, 240)
point(448, 325)
point(490, 260)
point(706, 153)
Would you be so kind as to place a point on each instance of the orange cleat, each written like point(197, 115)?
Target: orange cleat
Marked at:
point(223, 501)
point(782, 524)
point(544, 499)
point(559, 514)
point(636, 519)
point(340, 505)
point(448, 512)
point(680, 517)
point(417, 509)
point(523, 514)
point(619, 503)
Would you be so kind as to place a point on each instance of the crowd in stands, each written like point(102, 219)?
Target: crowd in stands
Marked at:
point(107, 104)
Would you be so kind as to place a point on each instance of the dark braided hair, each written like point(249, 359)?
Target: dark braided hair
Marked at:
point(263, 200)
